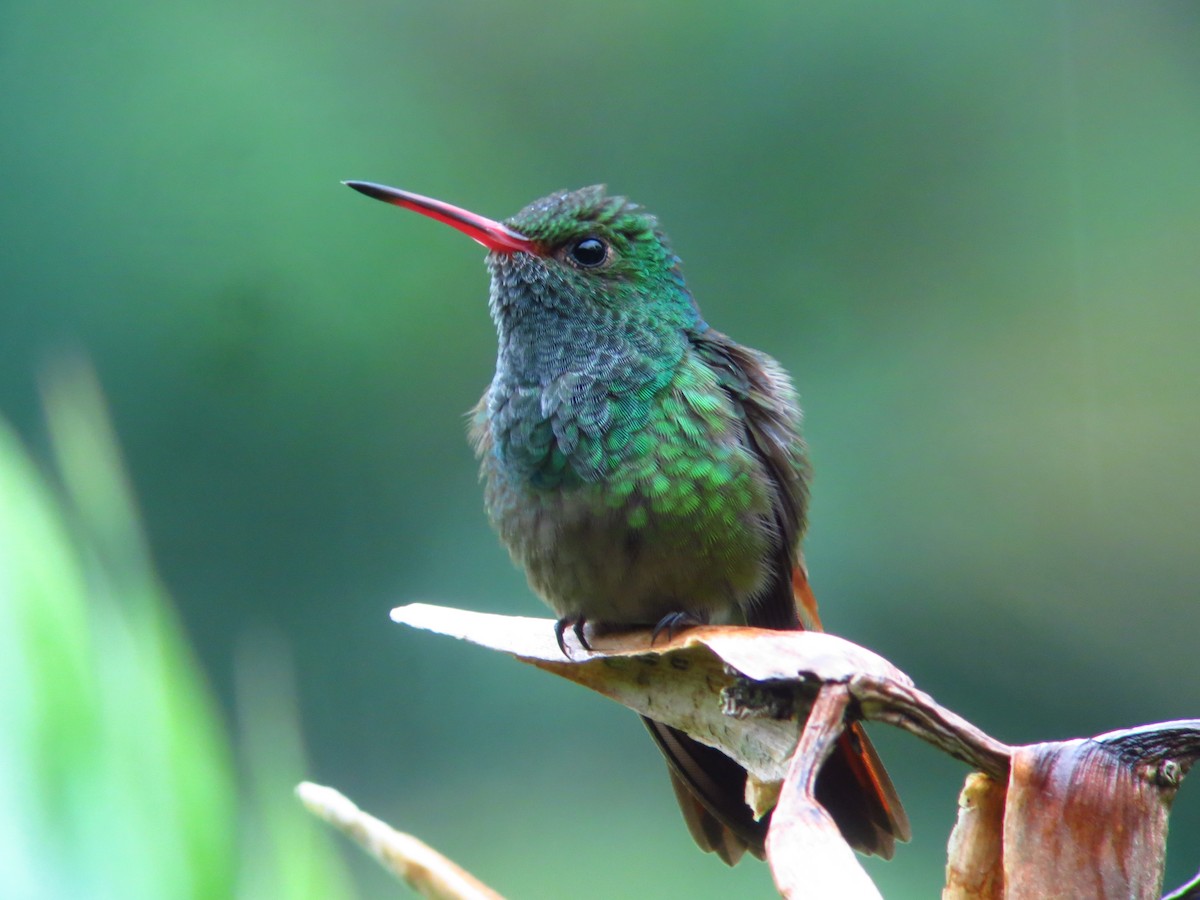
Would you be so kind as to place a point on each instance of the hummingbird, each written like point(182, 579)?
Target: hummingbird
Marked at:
point(644, 469)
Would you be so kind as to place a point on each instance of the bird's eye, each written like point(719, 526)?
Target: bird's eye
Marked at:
point(588, 252)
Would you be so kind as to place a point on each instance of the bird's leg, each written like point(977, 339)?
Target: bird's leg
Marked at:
point(675, 622)
point(576, 624)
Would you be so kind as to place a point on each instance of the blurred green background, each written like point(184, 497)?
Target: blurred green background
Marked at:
point(969, 230)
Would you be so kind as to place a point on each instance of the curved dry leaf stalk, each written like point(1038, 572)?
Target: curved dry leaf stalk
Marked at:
point(808, 856)
point(1083, 818)
point(676, 680)
point(424, 869)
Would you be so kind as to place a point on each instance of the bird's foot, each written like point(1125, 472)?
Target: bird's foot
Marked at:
point(575, 623)
point(672, 623)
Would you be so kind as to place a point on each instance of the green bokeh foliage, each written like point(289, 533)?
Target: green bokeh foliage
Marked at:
point(115, 770)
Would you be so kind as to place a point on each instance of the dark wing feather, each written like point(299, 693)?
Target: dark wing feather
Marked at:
point(764, 397)
point(853, 785)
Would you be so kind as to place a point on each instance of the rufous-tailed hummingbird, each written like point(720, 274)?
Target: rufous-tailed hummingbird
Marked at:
point(645, 469)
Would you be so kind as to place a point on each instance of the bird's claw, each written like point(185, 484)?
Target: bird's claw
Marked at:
point(575, 623)
point(672, 623)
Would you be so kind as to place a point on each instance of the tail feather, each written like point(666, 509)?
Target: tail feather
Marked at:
point(853, 784)
point(707, 831)
point(711, 790)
